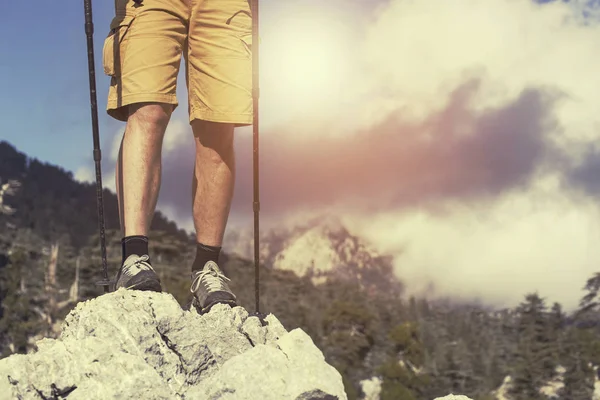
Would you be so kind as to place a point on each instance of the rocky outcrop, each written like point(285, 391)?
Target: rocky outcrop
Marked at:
point(132, 344)
point(321, 248)
point(371, 388)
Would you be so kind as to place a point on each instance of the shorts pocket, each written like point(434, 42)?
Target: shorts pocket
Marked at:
point(112, 51)
point(247, 43)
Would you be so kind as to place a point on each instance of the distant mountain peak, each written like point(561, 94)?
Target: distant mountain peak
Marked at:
point(321, 248)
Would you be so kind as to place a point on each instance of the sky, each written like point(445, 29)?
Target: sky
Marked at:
point(460, 136)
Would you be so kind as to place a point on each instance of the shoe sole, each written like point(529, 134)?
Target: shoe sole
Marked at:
point(150, 285)
point(206, 309)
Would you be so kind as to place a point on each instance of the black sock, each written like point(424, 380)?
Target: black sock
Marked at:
point(204, 254)
point(134, 245)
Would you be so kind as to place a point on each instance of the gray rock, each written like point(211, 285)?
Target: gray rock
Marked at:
point(132, 344)
point(453, 397)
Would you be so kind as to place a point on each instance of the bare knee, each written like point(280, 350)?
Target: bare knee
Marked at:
point(213, 139)
point(150, 116)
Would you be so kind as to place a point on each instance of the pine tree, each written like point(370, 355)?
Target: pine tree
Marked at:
point(591, 301)
point(401, 374)
point(556, 323)
point(348, 336)
point(458, 370)
point(19, 321)
point(535, 363)
point(579, 376)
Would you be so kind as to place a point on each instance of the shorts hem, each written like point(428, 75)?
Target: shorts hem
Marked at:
point(116, 108)
point(212, 116)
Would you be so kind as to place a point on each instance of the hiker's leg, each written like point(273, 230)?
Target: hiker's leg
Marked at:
point(142, 55)
point(219, 79)
point(138, 183)
point(213, 181)
point(138, 169)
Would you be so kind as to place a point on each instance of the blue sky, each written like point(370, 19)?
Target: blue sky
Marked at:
point(44, 77)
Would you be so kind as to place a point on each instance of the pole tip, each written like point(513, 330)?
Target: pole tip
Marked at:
point(106, 283)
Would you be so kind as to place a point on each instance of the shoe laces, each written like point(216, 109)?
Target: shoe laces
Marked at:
point(141, 263)
point(211, 278)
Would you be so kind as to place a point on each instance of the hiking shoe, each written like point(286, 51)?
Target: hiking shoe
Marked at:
point(136, 273)
point(209, 287)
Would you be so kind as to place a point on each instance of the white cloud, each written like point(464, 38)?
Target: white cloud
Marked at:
point(85, 174)
point(116, 144)
point(418, 50)
point(535, 238)
point(410, 54)
point(179, 133)
point(183, 223)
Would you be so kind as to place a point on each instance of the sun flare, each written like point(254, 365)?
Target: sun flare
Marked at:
point(305, 61)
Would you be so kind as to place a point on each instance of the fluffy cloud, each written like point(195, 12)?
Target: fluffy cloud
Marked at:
point(533, 234)
point(533, 239)
point(85, 174)
point(455, 153)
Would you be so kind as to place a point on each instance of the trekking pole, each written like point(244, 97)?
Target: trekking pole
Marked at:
point(255, 95)
point(89, 30)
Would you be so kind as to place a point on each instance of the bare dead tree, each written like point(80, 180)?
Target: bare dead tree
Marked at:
point(8, 189)
point(73, 290)
point(50, 285)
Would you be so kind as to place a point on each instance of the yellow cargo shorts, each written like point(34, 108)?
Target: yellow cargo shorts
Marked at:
point(142, 55)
